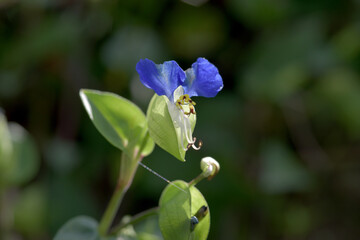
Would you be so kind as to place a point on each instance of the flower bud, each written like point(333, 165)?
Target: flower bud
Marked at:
point(210, 167)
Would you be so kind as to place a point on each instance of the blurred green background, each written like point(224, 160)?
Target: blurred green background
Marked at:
point(285, 128)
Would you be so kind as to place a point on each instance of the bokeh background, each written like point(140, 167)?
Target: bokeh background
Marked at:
point(285, 128)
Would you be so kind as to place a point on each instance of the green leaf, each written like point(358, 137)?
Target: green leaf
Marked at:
point(201, 230)
point(78, 228)
point(177, 208)
point(148, 145)
point(5, 146)
point(149, 229)
point(26, 159)
point(174, 214)
point(146, 229)
point(162, 128)
point(19, 159)
point(120, 121)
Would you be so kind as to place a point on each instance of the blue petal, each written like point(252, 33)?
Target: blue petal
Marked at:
point(203, 79)
point(162, 78)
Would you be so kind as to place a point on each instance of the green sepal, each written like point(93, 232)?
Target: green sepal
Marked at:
point(176, 209)
point(119, 120)
point(162, 128)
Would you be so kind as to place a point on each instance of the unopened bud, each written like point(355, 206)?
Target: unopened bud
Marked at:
point(210, 167)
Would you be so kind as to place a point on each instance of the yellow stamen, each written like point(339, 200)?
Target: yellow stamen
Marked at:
point(186, 100)
point(179, 104)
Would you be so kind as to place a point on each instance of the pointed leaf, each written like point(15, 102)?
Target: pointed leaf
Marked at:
point(120, 121)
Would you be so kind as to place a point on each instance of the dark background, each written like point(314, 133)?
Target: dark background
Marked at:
point(285, 128)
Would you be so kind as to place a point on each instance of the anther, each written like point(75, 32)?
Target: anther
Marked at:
point(179, 105)
point(192, 109)
point(192, 102)
point(192, 144)
point(186, 97)
point(197, 147)
point(188, 146)
point(186, 100)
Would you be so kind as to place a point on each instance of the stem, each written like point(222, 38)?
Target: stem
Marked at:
point(2, 213)
point(127, 171)
point(111, 210)
point(128, 168)
point(197, 179)
point(135, 219)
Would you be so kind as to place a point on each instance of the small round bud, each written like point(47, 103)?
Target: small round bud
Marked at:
point(208, 171)
point(210, 167)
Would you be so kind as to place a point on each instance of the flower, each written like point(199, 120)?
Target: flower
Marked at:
point(202, 79)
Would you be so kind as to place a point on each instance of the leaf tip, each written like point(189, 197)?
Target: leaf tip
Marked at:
point(86, 103)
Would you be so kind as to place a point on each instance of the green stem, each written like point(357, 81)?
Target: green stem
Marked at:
point(135, 219)
point(111, 210)
point(128, 168)
point(127, 171)
point(196, 180)
point(2, 217)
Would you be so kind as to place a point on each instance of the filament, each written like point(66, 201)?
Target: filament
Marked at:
point(188, 139)
point(161, 177)
point(199, 145)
